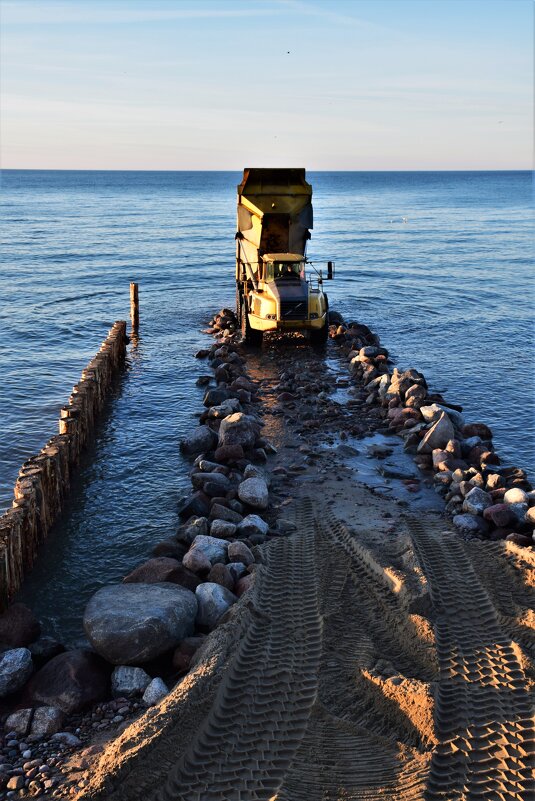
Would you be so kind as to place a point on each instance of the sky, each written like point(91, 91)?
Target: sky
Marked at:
point(223, 84)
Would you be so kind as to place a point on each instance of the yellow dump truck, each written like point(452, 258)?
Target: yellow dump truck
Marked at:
point(277, 289)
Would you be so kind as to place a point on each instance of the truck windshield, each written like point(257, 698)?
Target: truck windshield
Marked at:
point(279, 269)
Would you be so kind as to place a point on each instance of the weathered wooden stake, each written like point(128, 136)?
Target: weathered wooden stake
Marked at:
point(134, 306)
point(44, 479)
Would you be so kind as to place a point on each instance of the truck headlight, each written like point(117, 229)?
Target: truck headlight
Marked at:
point(314, 315)
point(271, 316)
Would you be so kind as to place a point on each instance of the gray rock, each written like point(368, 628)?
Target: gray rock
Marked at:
point(476, 501)
point(194, 527)
point(469, 523)
point(519, 510)
point(47, 720)
point(438, 435)
point(515, 495)
point(19, 722)
point(252, 524)
point(239, 552)
point(214, 601)
point(238, 429)
point(127, 681)
point(16, 667)
point(254, 492)
point(253, 471)
point(201, 440)
point(197, 562)
point(432, 413)
point(220, 512)
point(219, 481)
point(222, 529)
point(237, 570)
point(154, 693)
point(225, 409)
point(134, 623)
point(212, 547)
point(66, 738)
point(72, 681)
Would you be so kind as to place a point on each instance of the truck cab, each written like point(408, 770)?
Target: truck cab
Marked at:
point(277, 290)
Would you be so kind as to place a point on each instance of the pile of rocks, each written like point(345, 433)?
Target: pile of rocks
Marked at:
point(144, 632)
point(483, 497)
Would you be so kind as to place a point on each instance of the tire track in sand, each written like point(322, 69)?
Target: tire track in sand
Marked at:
point(482, 714)
point(249, 738)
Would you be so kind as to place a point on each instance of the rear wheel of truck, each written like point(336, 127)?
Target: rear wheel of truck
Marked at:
point(319, 336)
point(250, 335)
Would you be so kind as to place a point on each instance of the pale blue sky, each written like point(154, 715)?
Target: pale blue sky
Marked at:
point(341, 85)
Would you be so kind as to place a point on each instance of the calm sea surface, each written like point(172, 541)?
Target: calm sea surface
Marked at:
point(439, 264)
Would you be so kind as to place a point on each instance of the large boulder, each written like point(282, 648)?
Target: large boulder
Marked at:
point(432, 412)
point(214, 548)
point(515, 495)
point(213, 484)
point(129, 624)
point(18, 626)
point(254, 492)
point(71, 681)
point(16, 667)
point(162, 569)
point(214, 601)
point(238, 429)
point(240, 552)
point(438, 435)
point(202, 440)
point(476, 501)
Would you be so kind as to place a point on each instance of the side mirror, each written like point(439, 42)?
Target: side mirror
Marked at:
point(330, 270)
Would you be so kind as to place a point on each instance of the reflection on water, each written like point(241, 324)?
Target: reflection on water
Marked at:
point(448, 292)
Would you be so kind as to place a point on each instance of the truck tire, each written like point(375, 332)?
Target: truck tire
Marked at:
point(319, 336)
point(250, 335)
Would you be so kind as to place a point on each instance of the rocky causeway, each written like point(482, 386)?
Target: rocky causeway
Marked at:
point(345, 610)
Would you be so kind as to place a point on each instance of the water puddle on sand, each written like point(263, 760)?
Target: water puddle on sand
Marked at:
point(380, 463)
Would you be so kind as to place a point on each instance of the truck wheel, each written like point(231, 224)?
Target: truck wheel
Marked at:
point(319, 336)
point(250, 335)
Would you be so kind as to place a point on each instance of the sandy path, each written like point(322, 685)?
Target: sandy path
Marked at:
point(321, 686)
point(377, 657)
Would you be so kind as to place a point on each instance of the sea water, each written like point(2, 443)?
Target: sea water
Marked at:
point(437, 263)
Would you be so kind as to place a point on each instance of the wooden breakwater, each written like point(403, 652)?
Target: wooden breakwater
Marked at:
point(44, 479)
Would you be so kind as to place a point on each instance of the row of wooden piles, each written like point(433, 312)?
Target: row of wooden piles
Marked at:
point(44, 480)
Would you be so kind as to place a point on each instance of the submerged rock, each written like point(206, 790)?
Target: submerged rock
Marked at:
point(129, 624)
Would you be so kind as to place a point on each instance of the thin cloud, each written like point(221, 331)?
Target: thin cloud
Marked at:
point(63, 13)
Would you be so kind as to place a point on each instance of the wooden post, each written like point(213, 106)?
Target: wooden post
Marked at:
point(134, 306)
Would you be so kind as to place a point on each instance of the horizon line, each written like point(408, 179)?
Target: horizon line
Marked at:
point(239, 169)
